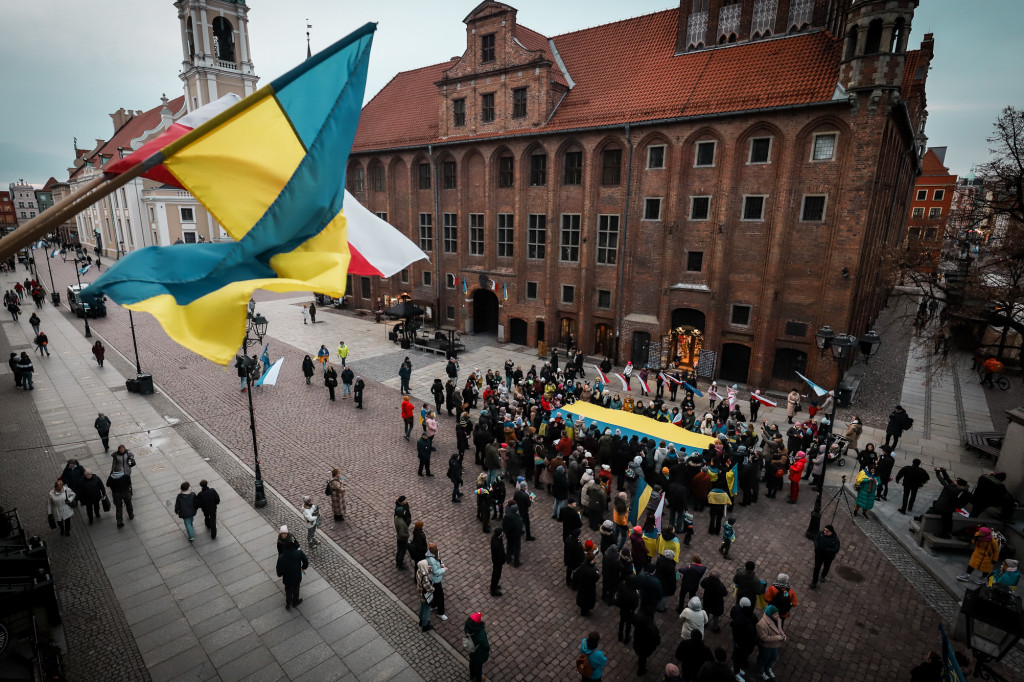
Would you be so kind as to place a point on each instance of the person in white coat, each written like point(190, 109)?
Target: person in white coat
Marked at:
point(59, 506)
point(694, 617)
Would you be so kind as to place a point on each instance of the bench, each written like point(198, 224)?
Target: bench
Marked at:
point(423, 347)
point(926, 532)
point(985, 442)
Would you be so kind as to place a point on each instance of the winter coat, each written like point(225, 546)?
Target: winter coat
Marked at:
point(585, 580)
point(985, 553)
point(827, 546)
point(796, 468)
point(476, 632)
point(307, 367)
point(73, 476)
point(853, 431)
point(423, 449)
point(692, 654)
point(744, 625)
point(418, 545)
point(290, 565)
point(91, 490)
point(665, 572)
point(59, 504)
point(646, 637)
point(649, 589)
point(912, 476)
point(792, 404)
point(208, 499)
point(769, 632)
point(498, 554)
point(714, 595)
point(690, 577)
point(693, 619)
point(185, 505)
point(747, 585)
point(337, 496)
point(513, 525)
point(572, 551)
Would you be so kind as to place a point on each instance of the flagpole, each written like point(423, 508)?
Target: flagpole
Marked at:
point(90, 193)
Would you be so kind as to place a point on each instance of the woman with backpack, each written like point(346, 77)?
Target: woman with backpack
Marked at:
point(476, 645)
point(781, 596)
point(591, 661)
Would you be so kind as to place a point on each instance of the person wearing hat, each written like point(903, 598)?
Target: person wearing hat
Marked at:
point(291, 564)
point(585, 580)
point(743, 624)
point(476, 644)
point(1007, 575)
point(770, 638)
point(984, 556)
point(671, 669)
point(782, 597)
point(826, 547)
point(796, 468)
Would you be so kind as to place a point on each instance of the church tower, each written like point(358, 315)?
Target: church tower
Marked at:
point(215, 50)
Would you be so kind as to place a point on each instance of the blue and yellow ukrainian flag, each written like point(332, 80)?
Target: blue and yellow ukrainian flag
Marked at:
point(639, 501)
point(271, 170)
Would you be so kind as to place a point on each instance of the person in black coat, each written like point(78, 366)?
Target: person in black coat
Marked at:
point(208, 500)
point(665, 572)
point(713, 600)
point(437, 390)
point(611, 569)
point(645, 641)
point(73, 475)
point(826, 547)
point(743, 623)
point(689, 582)
point(331, 380)
point(954, 495)
point(627, 599)
point(585, 581)
point(523, 501)
point(883, 472)
point(357, 391)
point(899, 422)
point(498, 558)
point(692, 654)
point(90, 491)
point(290, 565)
point(423, 450)
point(307, 368)
point(569, 517)
point(716, 670)
point(649, 588)
point(455, 476)
point(572, 555)
point(513, 526)
point(913, 478)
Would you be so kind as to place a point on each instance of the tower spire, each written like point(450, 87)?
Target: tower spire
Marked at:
point(309, 51)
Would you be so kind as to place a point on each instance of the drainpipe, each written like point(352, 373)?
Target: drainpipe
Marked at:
point(437, 240)
point(625, 230)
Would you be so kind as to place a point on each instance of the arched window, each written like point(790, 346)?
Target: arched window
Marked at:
point(223, 40)
point(851, 43)
point(191, 38)
point(896, 41)
point(874, 41)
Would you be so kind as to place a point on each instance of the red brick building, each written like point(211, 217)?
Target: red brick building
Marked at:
point(929, 210)
point(722, 177)
point(8, 221)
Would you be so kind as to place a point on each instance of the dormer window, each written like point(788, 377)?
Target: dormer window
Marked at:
point(487, 48)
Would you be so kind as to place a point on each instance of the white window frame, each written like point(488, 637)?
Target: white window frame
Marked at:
point(689, 215)
point(918, 213)
point(450, 232)
point(575, 227)
point(532, 229)
point(922, 195)
point(660, 201)
point(814, 145)
point(934, 212)
point(427, 277)
point(426, 236)
point(476, 229)
point(696, 153)
point(803, 204)
point(664, 156)
point(181, 214)
point(750, 150)
point(383, 215)
point(938, 195)
point(598, 249)
point(506, 227)
point(743, 208)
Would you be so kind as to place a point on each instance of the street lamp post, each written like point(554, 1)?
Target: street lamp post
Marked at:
point(841, 347)
point(85, 306)
point(994, 621)
point(256, 325)
point(54, 294)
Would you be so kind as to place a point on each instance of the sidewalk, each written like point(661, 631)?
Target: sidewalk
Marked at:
point(212, 609)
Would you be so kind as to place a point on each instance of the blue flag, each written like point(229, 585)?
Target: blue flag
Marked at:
point(818, 390)
point(54, 254)
point(951, 671)
point(85, 269)
point(693, 389)
point(639, 502)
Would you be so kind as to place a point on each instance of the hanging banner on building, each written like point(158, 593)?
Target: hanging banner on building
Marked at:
point(707, 362)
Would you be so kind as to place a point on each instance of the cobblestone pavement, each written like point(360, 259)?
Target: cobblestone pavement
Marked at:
point(864, 624)
point(98, 639)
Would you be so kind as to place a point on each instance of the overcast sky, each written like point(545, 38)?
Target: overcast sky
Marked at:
point(69, 63)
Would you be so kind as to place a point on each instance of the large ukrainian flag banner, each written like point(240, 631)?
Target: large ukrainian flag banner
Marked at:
point(271, 170)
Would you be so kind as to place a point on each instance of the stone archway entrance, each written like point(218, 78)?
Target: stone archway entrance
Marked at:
point(485, 312)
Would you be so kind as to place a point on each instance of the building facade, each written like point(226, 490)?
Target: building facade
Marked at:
point(930, 208)
point(23, 194)
point(711, 183)
point(215, 46)
point(8, 216)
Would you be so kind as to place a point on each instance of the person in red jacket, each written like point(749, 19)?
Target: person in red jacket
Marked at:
point(796, 468)
point(408, 409)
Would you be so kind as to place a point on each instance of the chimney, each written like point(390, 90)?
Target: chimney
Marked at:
point(121, 117)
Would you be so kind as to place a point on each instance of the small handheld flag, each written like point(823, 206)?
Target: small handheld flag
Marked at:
point(271, 373)
point(713, 394)
point(658, 513)
point(85, 269)
point(465, 289)
point(640, 500)
point(643, 384)
point(625, 384)
point(764, 401)
point(818, 390)
point(604, 378)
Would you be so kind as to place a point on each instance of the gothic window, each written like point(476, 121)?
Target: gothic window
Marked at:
point(874, 41)
point(851, 43)
point(573, 171)
point(611, 166)
point(896, 41)
point(223, 39)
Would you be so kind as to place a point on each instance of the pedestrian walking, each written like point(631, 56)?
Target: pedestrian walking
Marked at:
point(73, 475)
point(291, 565)
point(208, 500)
point(826, 547)
point(14, 310)
point(119, 483)
point(476, 645)
point(357, 392)
point(60, 507)
point(311, 513)
point(591, 661)
point(91, 492)
point(26, 369)
point(883, 472)
point(122, 459)
point(12, 362)
point(312, 312)
point(323, 356)
point(437, 390)
point(423, 450)
point(307, 368)
point(185, 507)
point(405, 374)
point(437, 571)
point(99, 352)
point(42, 344)
point(728, 536)
point(984, 556)
point(285, 540)
point(913, 478)
point(343, 353)
point(102, 426)
point(34, 321)
point(336, 489)
point(330, 380)
point(403, 518)
point(498, 558)
point(455, 476)
point(426, 589)
point(770, 638)
point(899, 421)
point(407, 411)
